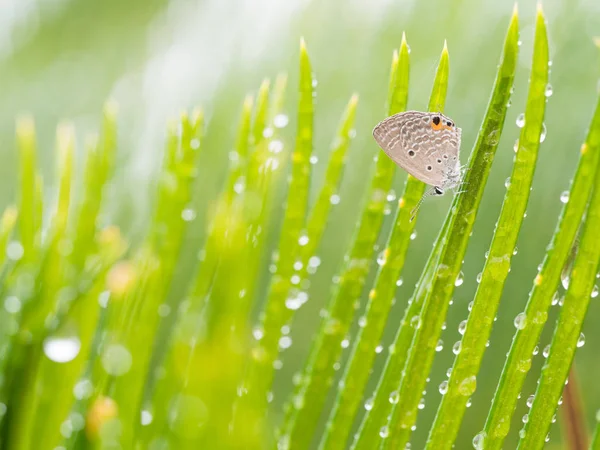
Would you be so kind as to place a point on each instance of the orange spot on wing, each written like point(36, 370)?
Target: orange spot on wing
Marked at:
point(437, 127)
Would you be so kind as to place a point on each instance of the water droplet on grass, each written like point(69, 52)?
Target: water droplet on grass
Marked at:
point(564, 197)
point(62, 349)
point(462, 327)
point(443, 388)
point(384, 432)
point(549, 91)
point(456, 347)
point(334, 199)
point(116, 360)
point(521, 120)
point(543, 133)
point(459, 279)
point(280, 120)
point(520, 321)
point(439, 346)
point(546, 351)
point(369, 403)
point(146, 417)
point(394, 397)
point(12, 304)
point(581, 340)
point(594, 293)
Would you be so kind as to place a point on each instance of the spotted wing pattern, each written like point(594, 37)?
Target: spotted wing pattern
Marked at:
point(423, 144)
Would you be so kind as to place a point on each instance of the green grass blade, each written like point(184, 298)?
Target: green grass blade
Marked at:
point(463, 215)
point(356, 375)
point(479, 325)
point(319, 213)
point(275, 313)
point(540, 298)
point(595, 444)
point(154, 266)
point(98, 169)
point(7, 225)
point(567, 335)
point(36, 312)
point(375, 419)
point(28, 220)
point(306, 408)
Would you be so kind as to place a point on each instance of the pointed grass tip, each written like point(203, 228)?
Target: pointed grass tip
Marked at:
point(302, 44)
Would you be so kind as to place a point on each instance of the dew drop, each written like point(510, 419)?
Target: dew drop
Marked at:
point(594, 293)
point(116, 360)
point(479, 276)
point(564, 197)
point(415, 322)
point(285, 342)
point(12, 304)
point(146, 417)
point(15, 250)
point(421, 404)
point(362, 321)
point(83, 389)
point(258, 333)
point(314, 159)
point(369, 403)
point(507, 183)
point(399, 281)
point(456, 347)
point(479, 441)
point(536, 350)
point(543, 133)
point(521, 120)
point(520, 321)
point(581, 340)
point(334, 199)
point(525, 418)
point(530, 400)
point(384, 432)
point(546, 351)
point(275, 146)
point(462, 327)
point(303, 240)
point(280, 120)
point(394, 397)
point(379, 349)
point(413, 235)
point(439, 346)
point(460, 279)
point(443, 388)
point(382, 258)
point(548, 92)
point(62, 349)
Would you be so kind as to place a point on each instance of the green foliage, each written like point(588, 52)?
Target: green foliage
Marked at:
point(87, 361)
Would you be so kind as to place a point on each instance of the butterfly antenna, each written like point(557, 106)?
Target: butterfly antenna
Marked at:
point(413, 213)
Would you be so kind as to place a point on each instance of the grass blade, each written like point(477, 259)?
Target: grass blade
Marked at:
point(519, 358)
point(462, 215)
point(373, 426)
point(567, 335)
point(28, 220)
point(352, 385)
point(275, 313)
point(479, 325)
point(305, 410)
point(7, 225)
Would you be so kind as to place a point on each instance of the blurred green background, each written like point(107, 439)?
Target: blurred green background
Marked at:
point(61, 59)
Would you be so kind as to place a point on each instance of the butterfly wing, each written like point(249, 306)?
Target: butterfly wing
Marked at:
point(425, 151)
